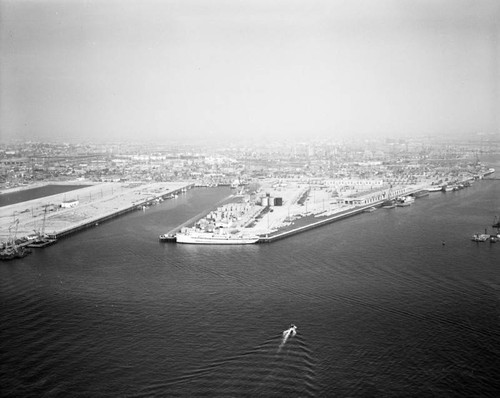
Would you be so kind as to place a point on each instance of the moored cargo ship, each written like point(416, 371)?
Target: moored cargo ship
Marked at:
point(207, 238)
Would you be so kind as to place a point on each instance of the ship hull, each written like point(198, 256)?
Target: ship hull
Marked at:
point(213, 240)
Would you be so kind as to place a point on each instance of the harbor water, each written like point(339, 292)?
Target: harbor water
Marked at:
point(396, 302)
point(35, 193)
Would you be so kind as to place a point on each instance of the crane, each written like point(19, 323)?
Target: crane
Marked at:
point(41, 232)
point(12, 240)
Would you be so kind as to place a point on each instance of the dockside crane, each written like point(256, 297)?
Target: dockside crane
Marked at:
point(12, 240)
point(42, 232)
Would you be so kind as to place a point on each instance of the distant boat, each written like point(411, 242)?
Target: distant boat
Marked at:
point(480, 237)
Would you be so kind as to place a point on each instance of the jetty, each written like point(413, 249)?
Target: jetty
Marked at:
point(275, 214)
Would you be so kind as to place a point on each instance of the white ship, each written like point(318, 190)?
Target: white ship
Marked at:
point(208, 238)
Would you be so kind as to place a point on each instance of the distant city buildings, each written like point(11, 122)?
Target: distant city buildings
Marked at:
point(344, 166)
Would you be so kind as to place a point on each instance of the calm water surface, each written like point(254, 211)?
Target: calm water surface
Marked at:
point(35, 193)
point(382, 308)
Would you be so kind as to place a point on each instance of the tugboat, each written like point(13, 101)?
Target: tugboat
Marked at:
point(404, 201)
point(167, 238)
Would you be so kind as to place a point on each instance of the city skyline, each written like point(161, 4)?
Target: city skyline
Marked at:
point(191, 71)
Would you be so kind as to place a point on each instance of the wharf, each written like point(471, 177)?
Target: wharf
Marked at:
point(278, 218)
point(311, 221)
point(315, 224)
point(95, 204)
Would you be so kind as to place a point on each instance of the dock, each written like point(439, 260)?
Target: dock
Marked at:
point(307, 221)
point(93, 205)
point(315, 224)
point(272, 224)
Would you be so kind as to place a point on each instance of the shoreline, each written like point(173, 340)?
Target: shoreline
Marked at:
point(91, 212)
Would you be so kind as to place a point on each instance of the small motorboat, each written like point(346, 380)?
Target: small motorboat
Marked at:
point(292, 331)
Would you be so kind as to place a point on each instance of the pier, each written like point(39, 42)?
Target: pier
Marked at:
point(315, 224)
point(311, 221)
point(276, 229)
point(91, 206)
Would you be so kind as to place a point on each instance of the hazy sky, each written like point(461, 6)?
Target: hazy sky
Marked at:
point(165, 70)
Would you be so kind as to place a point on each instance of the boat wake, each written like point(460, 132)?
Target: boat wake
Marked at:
point(256, 372)
point(290, 332)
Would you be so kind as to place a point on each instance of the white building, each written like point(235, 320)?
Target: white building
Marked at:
point(70, 203)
